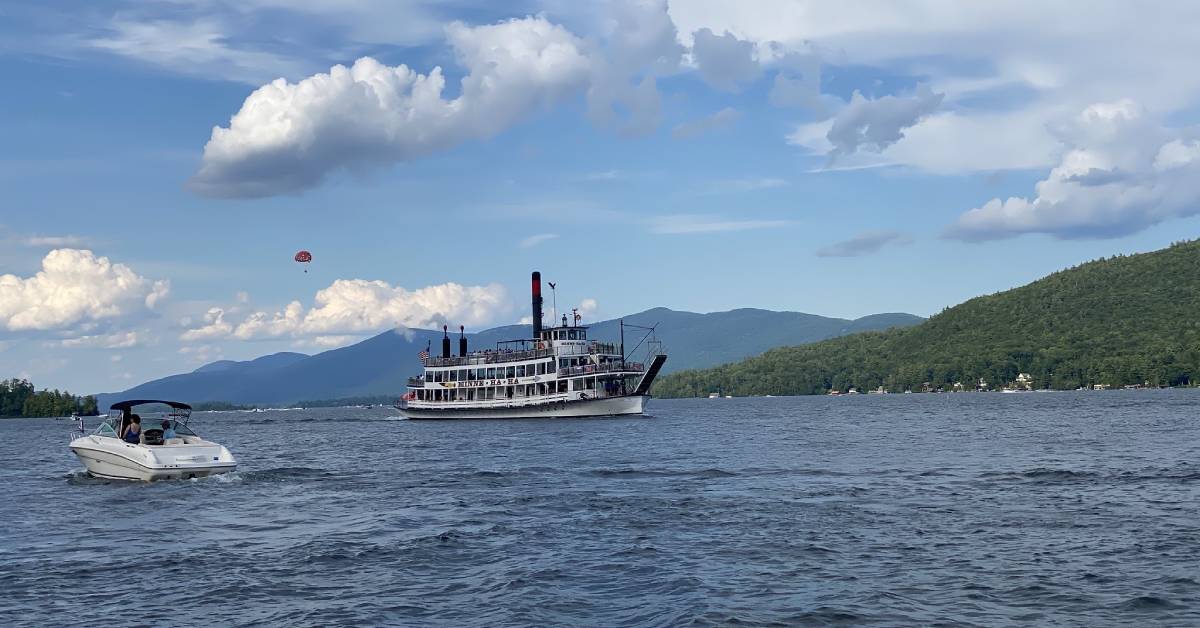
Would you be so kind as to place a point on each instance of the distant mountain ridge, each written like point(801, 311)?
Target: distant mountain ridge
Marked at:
point(266, 362)
point(1124, 320)
point(380, 365)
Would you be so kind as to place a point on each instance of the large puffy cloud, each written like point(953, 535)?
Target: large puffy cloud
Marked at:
point(1121, 171)
point(75, 290)
point(355, 306)
point(287, 137)
point(640, 43)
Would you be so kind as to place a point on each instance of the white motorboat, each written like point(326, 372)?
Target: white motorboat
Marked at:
point(185, 456)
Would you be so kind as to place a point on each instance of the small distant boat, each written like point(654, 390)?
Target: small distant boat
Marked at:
point(714, 395)
point(107, 455)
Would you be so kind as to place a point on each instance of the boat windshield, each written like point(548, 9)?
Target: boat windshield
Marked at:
point(111, 426)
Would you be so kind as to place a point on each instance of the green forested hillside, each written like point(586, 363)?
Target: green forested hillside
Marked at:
point(1117, 321)
point(18, 398)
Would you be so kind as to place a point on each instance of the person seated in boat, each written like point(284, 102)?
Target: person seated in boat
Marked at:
point(168, 430)
point(133, 431)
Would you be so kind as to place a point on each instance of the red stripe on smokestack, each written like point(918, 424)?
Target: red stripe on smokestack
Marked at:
point(537, 304)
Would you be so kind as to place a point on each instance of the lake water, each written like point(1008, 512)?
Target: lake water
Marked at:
point(964, 509)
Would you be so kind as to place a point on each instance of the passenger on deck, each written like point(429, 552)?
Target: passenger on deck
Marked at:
point(168, 430)
point(133, 431)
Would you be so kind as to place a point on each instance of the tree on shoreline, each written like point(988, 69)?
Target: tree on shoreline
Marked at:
point(19, 398)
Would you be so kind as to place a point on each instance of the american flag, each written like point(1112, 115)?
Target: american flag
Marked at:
point(423, 355)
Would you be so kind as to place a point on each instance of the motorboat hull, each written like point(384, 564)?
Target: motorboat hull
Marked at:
point(609, 406)
point(113, 459)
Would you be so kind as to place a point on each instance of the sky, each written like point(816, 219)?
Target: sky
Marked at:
point(163, 161)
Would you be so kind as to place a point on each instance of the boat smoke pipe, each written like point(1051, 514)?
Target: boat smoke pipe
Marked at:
point(462, 342)
point(445, 342)
point(537, 305)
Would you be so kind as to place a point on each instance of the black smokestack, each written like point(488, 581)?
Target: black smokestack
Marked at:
point(462, 342)
point(445, 343)
point(537, 304)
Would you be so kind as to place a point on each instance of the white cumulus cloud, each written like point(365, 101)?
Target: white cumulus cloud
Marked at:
point(75, 289)
point(350, 306)
point(1121, 171)
point(214, 326)
point(287, 137)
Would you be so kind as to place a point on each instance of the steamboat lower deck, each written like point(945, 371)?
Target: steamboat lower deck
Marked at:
point(611, 406)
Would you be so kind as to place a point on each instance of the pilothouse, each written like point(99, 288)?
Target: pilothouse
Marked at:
point(557, 372)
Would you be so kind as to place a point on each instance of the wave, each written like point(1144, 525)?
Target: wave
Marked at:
point(285, 474)
point(661, 473)
point(1147, 603)
point(1042, 475)
point(1055, 476)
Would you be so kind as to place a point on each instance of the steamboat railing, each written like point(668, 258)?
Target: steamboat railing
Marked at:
point(490, 357)
point(521, 355)
point(587, 369)
point(608, 367)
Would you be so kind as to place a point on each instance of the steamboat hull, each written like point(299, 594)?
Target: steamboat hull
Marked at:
point(609, 406)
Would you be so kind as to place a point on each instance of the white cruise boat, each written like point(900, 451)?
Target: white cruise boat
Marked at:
point(558, 372)
point(187, 455)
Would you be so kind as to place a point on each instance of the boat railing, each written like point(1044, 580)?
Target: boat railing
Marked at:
point(607, 367)
point(491, 357)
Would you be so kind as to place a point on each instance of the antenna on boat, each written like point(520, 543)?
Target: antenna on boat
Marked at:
point(553, 300)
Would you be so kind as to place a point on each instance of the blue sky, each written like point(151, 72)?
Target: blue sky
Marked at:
point(783, 155)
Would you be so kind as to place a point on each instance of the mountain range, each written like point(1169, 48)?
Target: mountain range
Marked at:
point(380, 365)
